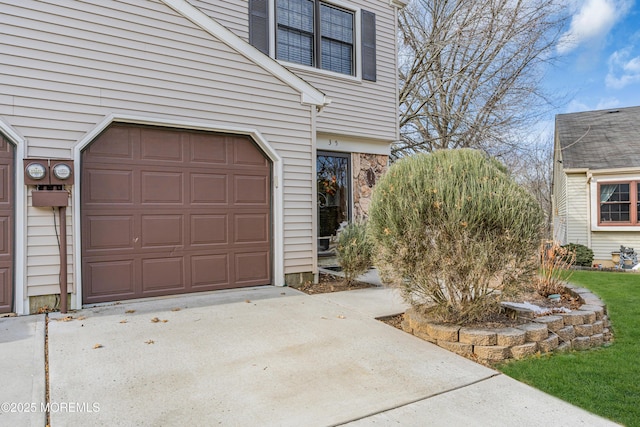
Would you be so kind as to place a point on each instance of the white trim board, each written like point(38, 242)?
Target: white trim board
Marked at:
point(20, 298)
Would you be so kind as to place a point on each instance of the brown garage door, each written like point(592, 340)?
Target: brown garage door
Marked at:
point(168, 211)
point(6, 225)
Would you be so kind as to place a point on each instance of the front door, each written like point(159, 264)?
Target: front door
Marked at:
point(334, 195)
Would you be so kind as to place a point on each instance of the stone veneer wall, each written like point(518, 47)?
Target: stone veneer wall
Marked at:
point(580, 329)
point(361, 164)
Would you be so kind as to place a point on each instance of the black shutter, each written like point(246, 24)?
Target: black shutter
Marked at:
point(368, 45)
point(259, 25)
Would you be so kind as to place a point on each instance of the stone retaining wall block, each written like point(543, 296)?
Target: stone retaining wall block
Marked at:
point(492, 353)
point(524, 350)
point(443, 332)
point(598, 327)
point(534, 331)
point(510, 336)
point(588, 316)
point(456, 347)
point(477, 336)
point(597, 340)
point(581, 343)
point(553, 322)
point(584, 330)
point(566, 334)
point(550, 344)
point(573, 318)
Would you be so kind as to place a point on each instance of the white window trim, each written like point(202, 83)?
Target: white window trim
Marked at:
point(595, 203)
point(357, 42)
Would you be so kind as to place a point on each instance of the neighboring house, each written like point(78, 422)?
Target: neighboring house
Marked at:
point(596, 181)
point(207, 138)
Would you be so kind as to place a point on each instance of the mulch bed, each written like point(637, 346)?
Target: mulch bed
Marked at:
point(329, 283)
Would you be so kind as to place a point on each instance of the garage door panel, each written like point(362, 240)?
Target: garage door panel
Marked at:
point(197, 218)
point(6, 286)
point(162, 230)
point(165, 145)
point(251, 228)
point(208, 149)
point(109, 280)
point(5, 191)
point(120, 146)
point(252, 268)
point(161, 187)
point(109, 232)
point(163, 274)
point(108, 186)
point(209, 230)
point(209, 188)
point(251, 190)
point(209, 270)
point(5, 248)
point(245, 153)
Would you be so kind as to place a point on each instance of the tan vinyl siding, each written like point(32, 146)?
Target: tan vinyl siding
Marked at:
point(358, 108)
point(69, 64)
point(577, 209)
point(363, 108)
point(43, 256)
point(231, 14)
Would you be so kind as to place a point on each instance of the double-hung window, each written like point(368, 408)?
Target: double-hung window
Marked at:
point(315, 34)
point(619, 203)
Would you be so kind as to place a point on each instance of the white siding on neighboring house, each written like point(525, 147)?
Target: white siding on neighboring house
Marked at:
point(577, 209)
point(605, 242)
point(67, 65)
point(559, 205)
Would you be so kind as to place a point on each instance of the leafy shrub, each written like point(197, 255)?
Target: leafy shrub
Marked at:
point(583, 255)
point(454, 228)
point(354, 250)
point(555, 263)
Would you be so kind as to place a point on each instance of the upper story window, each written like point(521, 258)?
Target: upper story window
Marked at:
point(619, 203)
point(317, 34)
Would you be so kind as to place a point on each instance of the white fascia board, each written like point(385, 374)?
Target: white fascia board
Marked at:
point(309, 94)
point(398, 3)
point(348, 144)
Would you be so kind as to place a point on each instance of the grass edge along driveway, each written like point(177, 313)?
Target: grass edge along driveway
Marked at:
point(605, 381)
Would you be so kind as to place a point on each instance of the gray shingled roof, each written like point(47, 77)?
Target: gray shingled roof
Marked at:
point(603, 139)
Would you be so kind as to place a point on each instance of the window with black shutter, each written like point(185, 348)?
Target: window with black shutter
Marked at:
point(315, 33)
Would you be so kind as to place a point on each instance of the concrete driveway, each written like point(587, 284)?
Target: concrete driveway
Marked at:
point(269, 356)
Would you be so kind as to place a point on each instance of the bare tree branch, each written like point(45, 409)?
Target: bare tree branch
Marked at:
point(471, 71)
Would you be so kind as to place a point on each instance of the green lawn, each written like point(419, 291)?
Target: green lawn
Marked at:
point(604, 381)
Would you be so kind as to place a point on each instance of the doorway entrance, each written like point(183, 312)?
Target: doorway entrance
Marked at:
point(334, 197)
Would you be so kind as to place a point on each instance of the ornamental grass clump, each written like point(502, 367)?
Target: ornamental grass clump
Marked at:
point(555, 268)
point(456, 232)
point(354, 251)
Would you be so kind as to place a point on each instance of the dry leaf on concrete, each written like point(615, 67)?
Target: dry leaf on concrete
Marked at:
point(149, 342)
point(123, 321)
point(129, 311)
point(97, 346)
point(155, 320)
